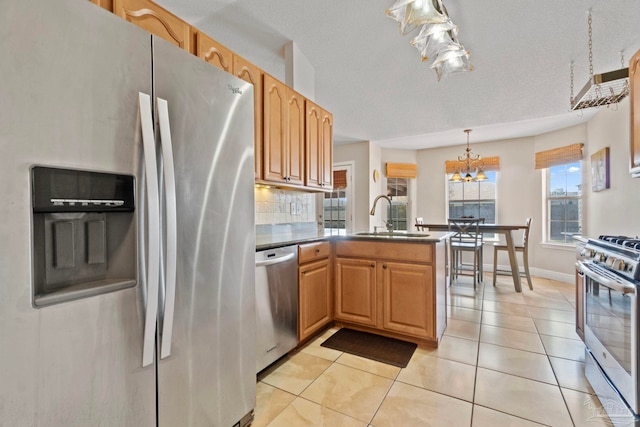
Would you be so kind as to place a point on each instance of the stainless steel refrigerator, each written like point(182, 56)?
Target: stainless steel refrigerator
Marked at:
point(94, 330)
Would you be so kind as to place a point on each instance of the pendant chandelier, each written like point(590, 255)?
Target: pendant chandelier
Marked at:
point(601, 89)
point(437, 38)
point(467, 164)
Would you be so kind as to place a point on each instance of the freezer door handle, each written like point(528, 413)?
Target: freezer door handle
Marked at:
point(172, 228)
point(153, 227)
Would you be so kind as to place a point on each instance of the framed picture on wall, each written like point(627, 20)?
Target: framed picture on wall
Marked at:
point(600, 170)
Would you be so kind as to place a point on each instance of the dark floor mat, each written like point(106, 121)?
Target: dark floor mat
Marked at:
point(375, 347)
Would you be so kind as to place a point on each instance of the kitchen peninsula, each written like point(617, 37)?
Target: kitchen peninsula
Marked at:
point(392, 284)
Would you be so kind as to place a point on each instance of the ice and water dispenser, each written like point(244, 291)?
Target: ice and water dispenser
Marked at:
point(84, 234)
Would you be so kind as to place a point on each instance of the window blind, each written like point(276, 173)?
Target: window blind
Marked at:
point(339, 179)
point(402, 170)
point(490, 164)
point(559, 156)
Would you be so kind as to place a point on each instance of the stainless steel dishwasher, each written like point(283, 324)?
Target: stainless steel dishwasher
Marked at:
point(276, 304)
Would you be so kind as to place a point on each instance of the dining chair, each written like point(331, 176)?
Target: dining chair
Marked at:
point(466, 237)
point(523, 248)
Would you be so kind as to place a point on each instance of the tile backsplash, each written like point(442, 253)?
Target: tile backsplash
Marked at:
point(276, 206)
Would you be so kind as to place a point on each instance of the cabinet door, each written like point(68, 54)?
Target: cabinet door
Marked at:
point(580, 304)
point(105, 4)
point(275, 130)
point(295, 137)
point(252, 74)
point(326, 150)
point(315, 298)
point(408, 299)
point(355, 291)
point(313, 145)
point(156, 20)
point(634, 83)
point(214, 53)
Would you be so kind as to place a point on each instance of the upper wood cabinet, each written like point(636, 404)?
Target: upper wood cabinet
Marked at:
point(295, 136)
point(327, 150)
point(634, 84)
point(156, 20)
point(213, 52)
point(283, 137)
point(275, 123)
point(252, 74)
point(105, 4)
point(319, 147)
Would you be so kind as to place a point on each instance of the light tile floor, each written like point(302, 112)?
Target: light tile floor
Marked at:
point(506, 359)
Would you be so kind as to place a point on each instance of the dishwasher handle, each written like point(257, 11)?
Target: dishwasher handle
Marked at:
point(277, 260)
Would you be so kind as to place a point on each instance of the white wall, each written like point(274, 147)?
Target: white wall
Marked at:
point(357, 152)
point(375, 188)
point(616, 210)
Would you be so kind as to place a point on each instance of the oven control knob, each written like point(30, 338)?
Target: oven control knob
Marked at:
point(619, 265)
point(610, 261)
point(598, 256)
point(586, 253)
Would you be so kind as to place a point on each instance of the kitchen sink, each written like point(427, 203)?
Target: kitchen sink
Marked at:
point(399, 234)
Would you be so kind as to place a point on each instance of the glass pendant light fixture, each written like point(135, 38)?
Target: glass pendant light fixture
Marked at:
point(467, 164)
point(438, 36)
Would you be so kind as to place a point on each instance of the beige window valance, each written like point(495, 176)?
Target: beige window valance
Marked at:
point(402, 170)
point(559, 156)
point(489, 164)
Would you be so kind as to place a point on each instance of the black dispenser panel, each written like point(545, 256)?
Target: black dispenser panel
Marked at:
point(66, 190)
point(84, 234)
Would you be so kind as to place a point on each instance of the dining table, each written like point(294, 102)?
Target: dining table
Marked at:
point(504, 229)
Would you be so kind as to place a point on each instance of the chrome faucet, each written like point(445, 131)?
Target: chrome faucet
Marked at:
point(388, 223)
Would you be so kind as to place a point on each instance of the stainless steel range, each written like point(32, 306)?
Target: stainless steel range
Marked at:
point(611, 272)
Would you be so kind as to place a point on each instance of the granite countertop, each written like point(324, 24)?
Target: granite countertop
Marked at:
point(264, 242)
point(399, 236)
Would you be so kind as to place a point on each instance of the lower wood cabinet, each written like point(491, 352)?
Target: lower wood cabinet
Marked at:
point(315, 308)
point(407, 295)
point(356, 296)
point(376, 289)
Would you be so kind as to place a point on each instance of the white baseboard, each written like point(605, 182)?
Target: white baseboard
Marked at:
point(539, 272)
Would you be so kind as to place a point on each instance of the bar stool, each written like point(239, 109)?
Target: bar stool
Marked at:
point(524, 249)
point(466, 237)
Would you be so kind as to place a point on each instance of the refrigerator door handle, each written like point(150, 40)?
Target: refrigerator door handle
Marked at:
point(172, 228)
point(153, 227)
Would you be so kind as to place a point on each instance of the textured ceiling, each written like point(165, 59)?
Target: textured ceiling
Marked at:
point(373, 82)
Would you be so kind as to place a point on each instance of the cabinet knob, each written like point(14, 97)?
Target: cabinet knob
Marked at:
point(317, 251)
point(384, 266)
point(372, 265)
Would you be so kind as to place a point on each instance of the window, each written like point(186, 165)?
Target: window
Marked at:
point(563, 202)
point(475, 199)
point(397, 188)
point(337, 205)
point(335, 211)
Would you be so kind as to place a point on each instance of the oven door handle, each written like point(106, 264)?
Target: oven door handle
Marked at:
point(579, 268)
point(606, 282)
